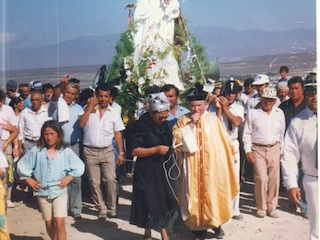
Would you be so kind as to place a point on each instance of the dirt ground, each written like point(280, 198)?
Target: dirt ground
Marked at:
point(25, 221)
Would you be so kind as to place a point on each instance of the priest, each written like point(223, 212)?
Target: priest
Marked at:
point(207, 155)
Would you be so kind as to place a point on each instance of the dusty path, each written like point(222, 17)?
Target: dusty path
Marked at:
point(26, 223)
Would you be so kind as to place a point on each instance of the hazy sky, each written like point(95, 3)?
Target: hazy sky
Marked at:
point(41, 22)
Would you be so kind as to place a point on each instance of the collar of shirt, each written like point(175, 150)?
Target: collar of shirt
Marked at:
point(311, 113)
point(109, 109)
point(72, 104)
point(179, 109)
point(42, 109)
point(274, 109)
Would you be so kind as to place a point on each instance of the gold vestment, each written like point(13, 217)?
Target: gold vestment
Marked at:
point(210, 183)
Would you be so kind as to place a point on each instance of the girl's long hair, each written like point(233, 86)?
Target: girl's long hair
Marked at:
point(57, 128)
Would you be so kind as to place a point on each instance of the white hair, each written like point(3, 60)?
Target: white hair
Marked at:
point(282, 86)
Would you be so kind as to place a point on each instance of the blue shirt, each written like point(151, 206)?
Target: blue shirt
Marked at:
point(71, 128)
point(172, 119)
point(27, 102)
point(49, 172)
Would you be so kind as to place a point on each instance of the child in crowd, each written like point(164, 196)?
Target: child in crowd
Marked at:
point(48, 168)
point(47, 90)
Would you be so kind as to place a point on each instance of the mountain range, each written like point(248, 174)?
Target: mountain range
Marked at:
point(224, 43)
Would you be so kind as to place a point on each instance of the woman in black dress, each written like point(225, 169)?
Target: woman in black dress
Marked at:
point(154, 205)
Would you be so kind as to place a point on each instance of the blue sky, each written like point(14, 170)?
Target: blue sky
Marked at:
point(41, 22)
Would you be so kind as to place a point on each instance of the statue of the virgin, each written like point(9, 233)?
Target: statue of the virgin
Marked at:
point(154, 20)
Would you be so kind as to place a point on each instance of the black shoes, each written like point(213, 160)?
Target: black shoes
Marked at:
point(218, 232)
point(77, 217)
point(199, 235)
point(238, 217)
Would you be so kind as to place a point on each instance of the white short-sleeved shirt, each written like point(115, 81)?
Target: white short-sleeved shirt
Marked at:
point(7, 114)
point(99, 132)
point(237, 110)
point(117, 107)
point(30, 123)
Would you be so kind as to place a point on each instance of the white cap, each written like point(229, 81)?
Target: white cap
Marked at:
point(269, 92)
point(260, 79)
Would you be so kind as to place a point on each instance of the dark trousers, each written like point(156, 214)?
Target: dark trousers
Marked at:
point(74, 189)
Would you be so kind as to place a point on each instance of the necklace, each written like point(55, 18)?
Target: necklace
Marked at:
point(160, 129)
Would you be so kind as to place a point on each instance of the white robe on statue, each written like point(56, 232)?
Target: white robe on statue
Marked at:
point(155, 30)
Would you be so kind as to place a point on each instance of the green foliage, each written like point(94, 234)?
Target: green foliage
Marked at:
point(124, 48)
point(190, 54)
point(128, 97)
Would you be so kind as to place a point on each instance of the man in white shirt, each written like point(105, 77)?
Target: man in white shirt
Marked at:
point(263, 138)
point(301, 145)
point(31, 121)
point(100, 124)
point(231, 115)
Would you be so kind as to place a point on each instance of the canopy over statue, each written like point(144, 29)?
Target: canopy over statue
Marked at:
point(154, 21)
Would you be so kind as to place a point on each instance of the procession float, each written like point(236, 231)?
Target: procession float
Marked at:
point(155, 49)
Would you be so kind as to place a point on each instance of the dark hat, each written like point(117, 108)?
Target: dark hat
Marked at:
point(196, 93)
point(248, 82)
point(231, 86)
point(15, 100)
point(12, 84)
point(36, 85)
point(310, 84)
point(74, 80)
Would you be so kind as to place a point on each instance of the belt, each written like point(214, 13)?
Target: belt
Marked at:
point(97, 147)
point(265, 145)
point(31, 140)
point(311, 175)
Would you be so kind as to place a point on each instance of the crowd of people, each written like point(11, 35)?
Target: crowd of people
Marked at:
point(189, 160)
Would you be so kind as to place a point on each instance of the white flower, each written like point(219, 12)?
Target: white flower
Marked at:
point(127, 62)
point(141, 81)
point(128, 72)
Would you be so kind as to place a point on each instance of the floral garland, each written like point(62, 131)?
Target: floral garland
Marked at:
point(135, 79)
